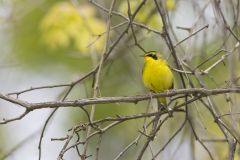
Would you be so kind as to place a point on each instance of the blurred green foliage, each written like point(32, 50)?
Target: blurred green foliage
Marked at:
point(57, 34)
point(65, 24)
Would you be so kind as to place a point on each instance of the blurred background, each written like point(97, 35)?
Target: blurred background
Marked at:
point(57, 42)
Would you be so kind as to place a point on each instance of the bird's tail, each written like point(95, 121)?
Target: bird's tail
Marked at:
point(162, 103)
point(162, 100)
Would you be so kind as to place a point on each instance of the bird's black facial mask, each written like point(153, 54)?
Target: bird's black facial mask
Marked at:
point(154, 56)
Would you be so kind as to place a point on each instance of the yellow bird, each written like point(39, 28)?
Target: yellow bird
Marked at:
point(156, 74)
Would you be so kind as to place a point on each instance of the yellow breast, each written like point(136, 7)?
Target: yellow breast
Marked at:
point(157, 76)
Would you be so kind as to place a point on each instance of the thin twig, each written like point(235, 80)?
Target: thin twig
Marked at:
point(152, 136)
point(194, 33)
point(170, 139)
point(37, 88)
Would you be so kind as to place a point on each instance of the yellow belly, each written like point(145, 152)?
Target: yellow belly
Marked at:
point(157, 76)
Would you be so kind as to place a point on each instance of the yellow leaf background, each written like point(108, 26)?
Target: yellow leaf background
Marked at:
point(65, 25)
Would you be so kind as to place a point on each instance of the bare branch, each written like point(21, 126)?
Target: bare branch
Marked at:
point(194, 33)
point(128, 99)
point(5, 121)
